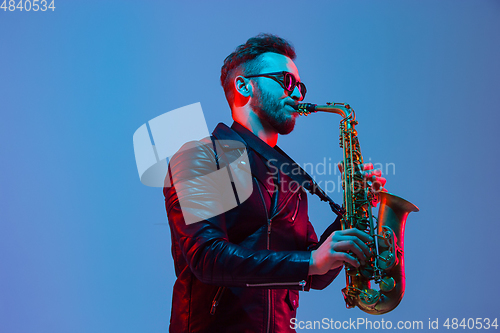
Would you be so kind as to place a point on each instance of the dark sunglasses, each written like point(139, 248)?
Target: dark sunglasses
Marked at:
point(286, 80)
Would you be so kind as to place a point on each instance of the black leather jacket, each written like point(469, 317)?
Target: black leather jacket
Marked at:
point(239, 271)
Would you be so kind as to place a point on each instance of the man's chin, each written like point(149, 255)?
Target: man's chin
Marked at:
point(286, 127)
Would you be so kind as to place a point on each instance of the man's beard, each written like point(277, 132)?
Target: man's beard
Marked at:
point(269, 110)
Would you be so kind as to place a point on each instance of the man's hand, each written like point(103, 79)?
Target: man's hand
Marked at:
point(373, 177)
point(333, 252)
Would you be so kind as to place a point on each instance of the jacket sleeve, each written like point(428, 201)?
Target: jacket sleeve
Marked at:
point(322, 281)
point(195, 207)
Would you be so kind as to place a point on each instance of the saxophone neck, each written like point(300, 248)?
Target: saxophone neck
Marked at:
point(342, 109)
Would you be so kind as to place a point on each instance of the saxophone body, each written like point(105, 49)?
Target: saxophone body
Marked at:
point(385, 267)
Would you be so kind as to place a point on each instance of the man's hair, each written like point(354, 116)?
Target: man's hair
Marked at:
point(243, 60)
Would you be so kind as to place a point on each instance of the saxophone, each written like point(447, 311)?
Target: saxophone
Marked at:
point(385, 266)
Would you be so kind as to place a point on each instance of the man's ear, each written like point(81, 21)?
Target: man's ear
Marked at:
point(242, 86)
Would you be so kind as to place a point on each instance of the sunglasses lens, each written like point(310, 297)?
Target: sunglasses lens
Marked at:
point(289, 82)
point(302, 88)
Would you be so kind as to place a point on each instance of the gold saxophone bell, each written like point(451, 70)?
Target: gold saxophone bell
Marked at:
point(392, 215)
point(386, 266)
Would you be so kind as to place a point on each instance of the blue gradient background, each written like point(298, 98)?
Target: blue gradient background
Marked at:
point(84, 245)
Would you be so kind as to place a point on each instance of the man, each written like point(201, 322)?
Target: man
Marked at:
point(240, 270)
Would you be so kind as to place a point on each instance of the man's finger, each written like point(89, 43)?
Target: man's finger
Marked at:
point(365, 237)
point(358, 237)
point(345, 257)
point(367, 166)
point(350, 246)
point(378, 183)
point(372, 173)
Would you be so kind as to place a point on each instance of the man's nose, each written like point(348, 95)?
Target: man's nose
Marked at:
point(296, 94)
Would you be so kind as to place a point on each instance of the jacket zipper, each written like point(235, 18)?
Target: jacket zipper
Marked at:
point(301, 283)
point(269, 221)
point(216, 300)
point(268, 310)
point(268, 237)
point(296, 209)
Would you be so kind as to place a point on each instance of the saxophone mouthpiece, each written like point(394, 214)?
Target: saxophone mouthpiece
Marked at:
point(305, 108)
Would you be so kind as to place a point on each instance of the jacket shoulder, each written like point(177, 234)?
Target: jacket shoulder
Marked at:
point(193, 159)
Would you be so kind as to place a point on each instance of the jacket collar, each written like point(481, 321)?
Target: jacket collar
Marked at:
point(239, 133)
point(222, 132)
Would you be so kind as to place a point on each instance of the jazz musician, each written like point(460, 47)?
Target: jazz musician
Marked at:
point(241, 270)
